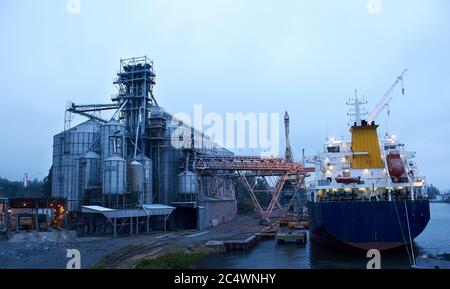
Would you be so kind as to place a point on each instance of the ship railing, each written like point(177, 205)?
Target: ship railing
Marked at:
point(363, 199)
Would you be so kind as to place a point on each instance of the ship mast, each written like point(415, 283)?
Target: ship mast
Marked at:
point(358, 111)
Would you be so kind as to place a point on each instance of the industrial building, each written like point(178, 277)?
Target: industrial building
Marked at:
point(135, 171)
point(19, 214)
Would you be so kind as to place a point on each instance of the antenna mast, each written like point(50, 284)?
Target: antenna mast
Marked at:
point(358, 111)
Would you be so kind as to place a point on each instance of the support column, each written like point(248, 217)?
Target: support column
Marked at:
point(36, 217)
point(137, 225)
point(115, 228)
point(165, 223)
point(131, 226)
point(148, 224)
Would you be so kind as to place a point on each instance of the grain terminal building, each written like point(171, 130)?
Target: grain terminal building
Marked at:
point(134, 172)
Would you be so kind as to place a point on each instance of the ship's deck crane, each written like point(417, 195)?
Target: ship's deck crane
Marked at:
point(386, 99)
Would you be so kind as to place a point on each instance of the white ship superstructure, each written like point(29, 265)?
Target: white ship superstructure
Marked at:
point(366, 167)
point(336, 178)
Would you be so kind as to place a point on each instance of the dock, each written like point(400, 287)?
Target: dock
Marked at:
point(292, 231)
point(299, 237)
point(283, 232)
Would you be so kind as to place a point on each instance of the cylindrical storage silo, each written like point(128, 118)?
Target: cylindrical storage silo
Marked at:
point(68, 147)
point(136, 179)
point(114, 176)
point(89, 165)
point(148, 178)
point(187, 183)
point(112, 140)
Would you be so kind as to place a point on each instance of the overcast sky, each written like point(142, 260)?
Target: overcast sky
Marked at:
point(306, 57)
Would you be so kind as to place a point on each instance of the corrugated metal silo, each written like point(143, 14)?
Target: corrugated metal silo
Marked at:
point(187, 183)
point(112, 140)
point(114, 176)
point(136, 179)
point(89, 171)
point(148, 178)
point(68, 147)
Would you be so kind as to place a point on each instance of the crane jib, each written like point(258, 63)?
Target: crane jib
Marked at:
point(386, 98)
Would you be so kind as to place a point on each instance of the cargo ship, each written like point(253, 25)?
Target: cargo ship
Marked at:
point(367, 192)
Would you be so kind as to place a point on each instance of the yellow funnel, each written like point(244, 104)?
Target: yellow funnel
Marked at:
point(366, 148)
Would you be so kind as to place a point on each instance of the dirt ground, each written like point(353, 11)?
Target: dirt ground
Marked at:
point(37, 251)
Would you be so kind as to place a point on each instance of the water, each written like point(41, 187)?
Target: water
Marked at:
point(268, 255)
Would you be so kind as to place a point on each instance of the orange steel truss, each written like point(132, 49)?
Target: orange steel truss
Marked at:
point(251, 169)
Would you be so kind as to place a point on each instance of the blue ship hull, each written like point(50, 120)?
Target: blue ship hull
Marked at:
point(367, 225)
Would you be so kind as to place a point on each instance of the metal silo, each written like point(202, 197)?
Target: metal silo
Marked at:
point(148, 178)
point(68, 147)
point(187, 181)
point(136, 179)
point(89, 170)
point(112, 139)
point(114, 176)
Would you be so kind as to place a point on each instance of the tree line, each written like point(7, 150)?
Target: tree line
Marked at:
point(35, 188)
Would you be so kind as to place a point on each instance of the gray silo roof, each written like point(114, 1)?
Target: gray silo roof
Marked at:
point(90, 155)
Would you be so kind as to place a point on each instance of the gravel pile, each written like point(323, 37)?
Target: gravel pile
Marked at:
point(39, 237)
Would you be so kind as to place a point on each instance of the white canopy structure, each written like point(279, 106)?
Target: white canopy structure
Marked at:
point(126, 216)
